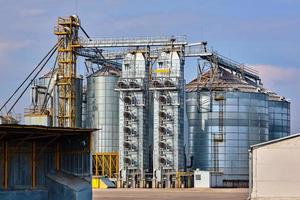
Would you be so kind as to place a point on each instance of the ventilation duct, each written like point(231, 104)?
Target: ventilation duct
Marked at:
point(169, 83)
point(163, 114)
point(164, 130)
point(163, 160)
point(128, 115)
point(129, 130)
point(157, 83)
point(128, 100)
point(134, 84)
point(163, 99)
point(128, 160)
point(122, 84)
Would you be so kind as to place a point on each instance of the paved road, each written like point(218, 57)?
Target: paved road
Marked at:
point(171, 194)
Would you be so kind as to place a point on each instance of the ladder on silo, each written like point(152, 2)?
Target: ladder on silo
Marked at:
point(218, 137)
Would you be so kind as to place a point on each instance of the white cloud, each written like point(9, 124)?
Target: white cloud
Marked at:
point(272, 75)
point(285, 81)
point(32, 12)
point(7, 46)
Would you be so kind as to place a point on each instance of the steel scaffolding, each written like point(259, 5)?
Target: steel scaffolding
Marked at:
point(106, 164)
point(67, 31)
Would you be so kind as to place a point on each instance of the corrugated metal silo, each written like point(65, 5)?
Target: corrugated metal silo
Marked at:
point(103, 110)
point(103, 113)
point(279, 116)
point(225, 116)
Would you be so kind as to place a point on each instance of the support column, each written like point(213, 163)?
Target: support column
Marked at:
point(168, 182)
point(57, 162)
point(96, 165)
point(110, 167)
point(154, 183)
point(117, 165)
point(5, 165)
point(33, 165)
point(103, 163)
point(142, 183)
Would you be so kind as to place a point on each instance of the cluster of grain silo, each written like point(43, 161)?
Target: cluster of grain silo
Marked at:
point(138, 115)
point(137, 106)
point(226, 114)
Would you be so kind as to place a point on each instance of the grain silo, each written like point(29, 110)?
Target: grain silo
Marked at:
point(279, 116)
point(226, 114)
point(134, 119)
point(168, 91)
point(103, 114)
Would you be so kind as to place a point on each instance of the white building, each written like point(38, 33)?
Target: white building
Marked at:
point(275, 169)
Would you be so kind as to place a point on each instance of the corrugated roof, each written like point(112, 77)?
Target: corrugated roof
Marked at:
point(29, 132)
point(274, 141)
point(273, 96)
point(48, 74)
point(223, 80)
point(19, 128)
point(107, 71)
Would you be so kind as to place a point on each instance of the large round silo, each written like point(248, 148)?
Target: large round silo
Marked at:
point(103, 109)
point(279, 116)
point(224, 119)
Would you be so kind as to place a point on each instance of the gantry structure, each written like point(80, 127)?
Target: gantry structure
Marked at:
point(153, 68)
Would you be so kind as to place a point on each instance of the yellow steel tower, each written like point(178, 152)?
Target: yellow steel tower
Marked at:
point(67, 32)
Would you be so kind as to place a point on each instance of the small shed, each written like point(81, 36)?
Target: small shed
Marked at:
point(45, 163)
point(275, 169)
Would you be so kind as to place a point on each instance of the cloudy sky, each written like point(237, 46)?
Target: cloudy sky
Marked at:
point(262, 34)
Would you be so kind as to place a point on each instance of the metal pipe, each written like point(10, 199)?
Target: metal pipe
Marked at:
point(250, 172)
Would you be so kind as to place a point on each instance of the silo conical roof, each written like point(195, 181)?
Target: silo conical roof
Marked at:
point(222, 80)
point(107, 71)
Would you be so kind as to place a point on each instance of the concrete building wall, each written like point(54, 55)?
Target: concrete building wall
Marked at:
point(275, 170)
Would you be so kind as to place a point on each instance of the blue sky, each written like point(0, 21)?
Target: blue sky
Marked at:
point(261, 34)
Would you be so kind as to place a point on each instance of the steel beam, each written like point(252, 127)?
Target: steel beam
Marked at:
point(132, 42)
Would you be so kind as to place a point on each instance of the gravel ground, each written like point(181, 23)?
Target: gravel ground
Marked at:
point(172, 194)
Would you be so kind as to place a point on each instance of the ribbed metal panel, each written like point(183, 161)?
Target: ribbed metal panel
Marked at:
point(222, 129)
point(78, 102)
point(74, 160)
point(103, 111)
point(279, 119)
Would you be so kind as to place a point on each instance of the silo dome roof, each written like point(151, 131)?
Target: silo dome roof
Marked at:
point(107, 71)
point(223, 80)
